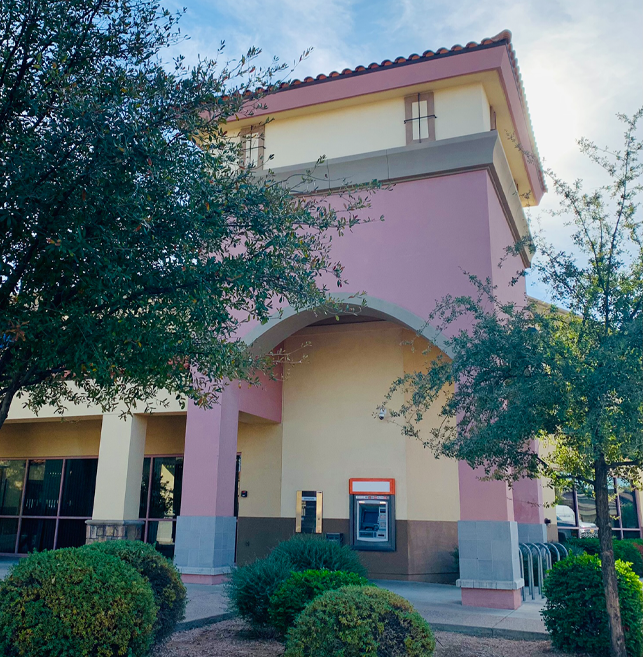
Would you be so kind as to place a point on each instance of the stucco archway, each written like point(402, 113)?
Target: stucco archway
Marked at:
point(263, 338)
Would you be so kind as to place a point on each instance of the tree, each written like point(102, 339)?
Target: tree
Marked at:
point(133, 243)
point(569, 374)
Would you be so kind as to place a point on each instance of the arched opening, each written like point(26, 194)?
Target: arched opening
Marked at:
point(265, 337)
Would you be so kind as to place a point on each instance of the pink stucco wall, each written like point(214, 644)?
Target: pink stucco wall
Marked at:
point(434, 230)
point(210, 457)
point(264, 399)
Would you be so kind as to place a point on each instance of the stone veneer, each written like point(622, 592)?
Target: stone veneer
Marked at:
point(205, 547)
point(99, 531)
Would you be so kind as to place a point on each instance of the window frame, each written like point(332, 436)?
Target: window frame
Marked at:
point(244, 135)
point(617, 530)
point(147, 518)
point(427, 96)
point(21, 515)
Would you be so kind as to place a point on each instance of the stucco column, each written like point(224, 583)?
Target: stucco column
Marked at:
point(206, 528)
point(529, 511)
point(118, 479)
point(529, 508)
point(488, 542)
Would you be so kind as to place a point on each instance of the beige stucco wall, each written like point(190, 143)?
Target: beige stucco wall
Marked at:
point(433, 491)
point(336, 133)
point(364, 127)
point(80, 437)
point(164, 402)
point(50, 439)
point(329, 433)
point(260, 448)
point(165, 434)
point(461, 111)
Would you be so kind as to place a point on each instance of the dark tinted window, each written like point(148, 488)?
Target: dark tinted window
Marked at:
point(43, 487)
point(12, 477)
point(78, 487)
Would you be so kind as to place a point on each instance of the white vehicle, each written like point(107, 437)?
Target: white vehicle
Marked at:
point(566, 521)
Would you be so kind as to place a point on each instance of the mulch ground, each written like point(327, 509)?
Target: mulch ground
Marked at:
point(234, 639)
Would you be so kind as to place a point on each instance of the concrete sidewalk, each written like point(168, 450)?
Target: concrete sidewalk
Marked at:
point(439, 604)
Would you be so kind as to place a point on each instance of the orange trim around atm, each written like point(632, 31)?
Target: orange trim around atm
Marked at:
point(371, 492)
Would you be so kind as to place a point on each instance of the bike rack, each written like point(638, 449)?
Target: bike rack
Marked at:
point(540, 557)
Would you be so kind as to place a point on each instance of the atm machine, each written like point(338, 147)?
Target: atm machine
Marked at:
point(372, 514)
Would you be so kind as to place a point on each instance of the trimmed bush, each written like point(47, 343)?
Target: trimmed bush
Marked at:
point(164, 579)
point(308, 552)
point(75, 602)
point(300, 588)
point(625, 550)
point(360, 620)
point(575, 615)
point(250, 587)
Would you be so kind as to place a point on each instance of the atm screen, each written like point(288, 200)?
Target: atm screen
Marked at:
point(372, 521)
point(370, 515)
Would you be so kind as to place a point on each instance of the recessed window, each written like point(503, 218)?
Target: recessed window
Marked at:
point(252, 147)
point(419, 118)
point(161, 488)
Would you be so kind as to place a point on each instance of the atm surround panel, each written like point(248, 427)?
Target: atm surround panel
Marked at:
point(372, 522)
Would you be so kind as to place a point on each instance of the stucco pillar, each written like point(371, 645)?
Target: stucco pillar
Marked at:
point(206, 528)
point(118, 479)
point(529, 508)
point(529, 511)
point(488, 542)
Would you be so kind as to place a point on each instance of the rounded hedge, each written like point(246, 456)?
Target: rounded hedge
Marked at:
point(299, 589)
point(75, 602)
point(309, 552)
point(250, 587)
point(360, 620)
point(575, 614)
point(164, 579)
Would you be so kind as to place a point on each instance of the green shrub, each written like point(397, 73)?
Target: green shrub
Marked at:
point(575, 613)
point(308, 552)
point(75, 602)
point(299, 589)
point(164, 579)
point(359, 620)
point(624, 550)
point(250, 587)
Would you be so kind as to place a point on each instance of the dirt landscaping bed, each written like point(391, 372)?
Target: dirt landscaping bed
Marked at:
point(234, 638)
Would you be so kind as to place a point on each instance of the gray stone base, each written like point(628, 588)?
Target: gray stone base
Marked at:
point(489, 555)
point(532, 533)
point(114, 530)
point(205, 544)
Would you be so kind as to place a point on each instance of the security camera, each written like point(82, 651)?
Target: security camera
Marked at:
point(382, 413)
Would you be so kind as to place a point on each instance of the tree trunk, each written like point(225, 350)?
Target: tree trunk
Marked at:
point(608, 568)
point(5, 404)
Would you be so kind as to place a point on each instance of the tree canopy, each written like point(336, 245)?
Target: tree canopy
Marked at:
point(567, 374)
point(133, 242)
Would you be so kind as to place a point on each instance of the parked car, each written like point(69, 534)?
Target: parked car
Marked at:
point(567, 526)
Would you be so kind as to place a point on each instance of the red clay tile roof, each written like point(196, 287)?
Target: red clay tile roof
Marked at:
point(503, 38)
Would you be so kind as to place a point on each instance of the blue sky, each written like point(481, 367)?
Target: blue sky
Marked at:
point(581, 60)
